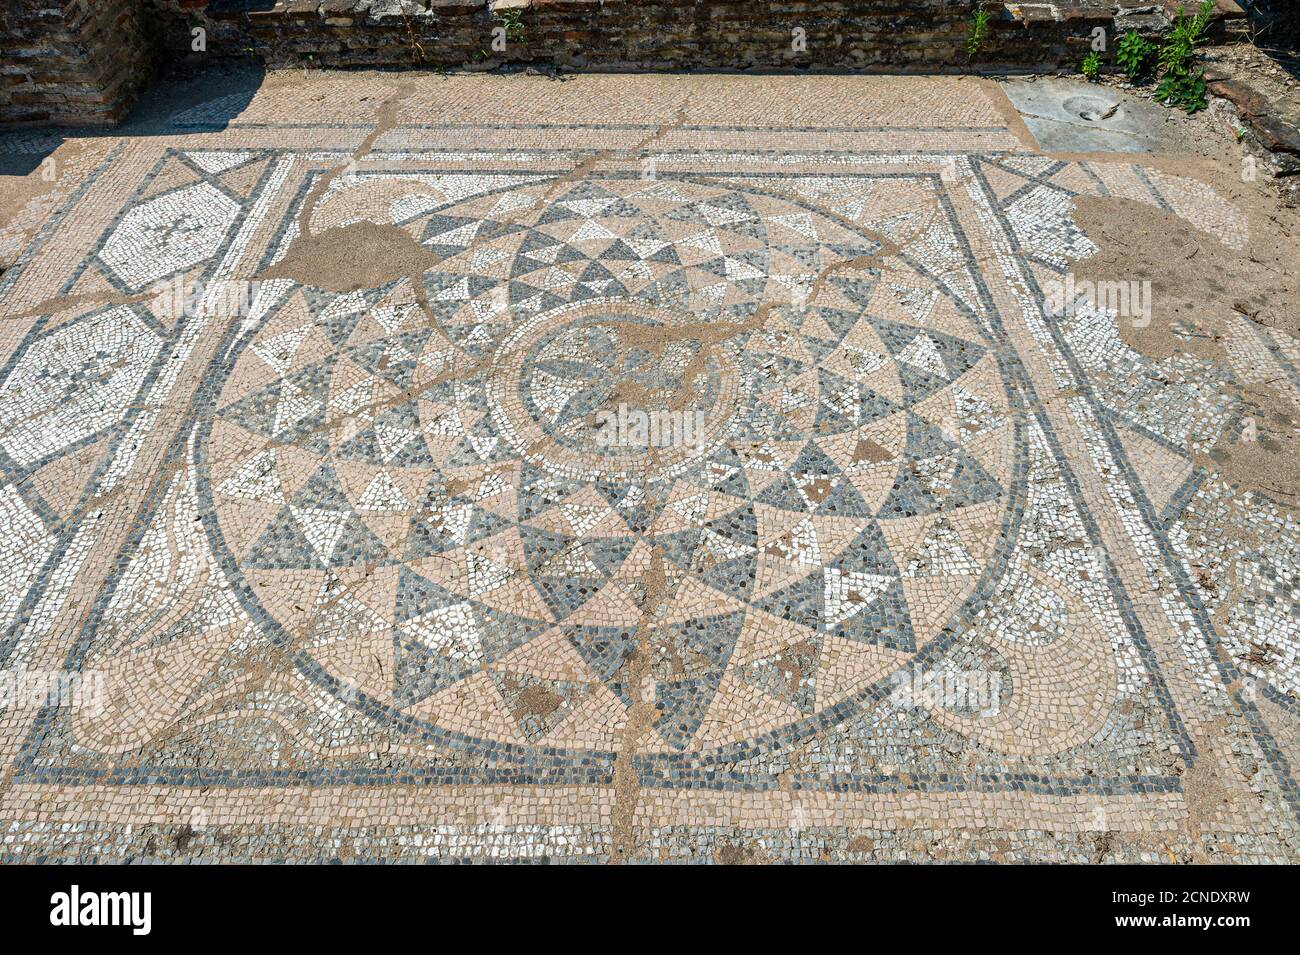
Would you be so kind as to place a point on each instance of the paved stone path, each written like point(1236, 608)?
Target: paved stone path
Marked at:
point(626, 468)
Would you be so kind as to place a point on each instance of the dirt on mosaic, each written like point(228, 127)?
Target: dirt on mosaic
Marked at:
point(885, 455)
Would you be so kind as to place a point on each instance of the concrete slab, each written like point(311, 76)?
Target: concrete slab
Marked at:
point(1074, 116)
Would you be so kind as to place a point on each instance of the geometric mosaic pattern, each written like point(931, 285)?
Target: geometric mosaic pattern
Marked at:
point(841, 500)
point(367, 560)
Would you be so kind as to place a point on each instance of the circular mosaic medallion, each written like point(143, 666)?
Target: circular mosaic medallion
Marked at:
point(452, 499)
point(615, 388)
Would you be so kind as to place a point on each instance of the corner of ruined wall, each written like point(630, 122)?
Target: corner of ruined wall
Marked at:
point(73, 62)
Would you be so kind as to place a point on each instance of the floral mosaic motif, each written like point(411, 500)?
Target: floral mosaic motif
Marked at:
point(76, 381)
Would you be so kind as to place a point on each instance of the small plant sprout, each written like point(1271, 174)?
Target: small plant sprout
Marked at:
point(512, 20)
point(1091, 66)
point(1181, 83)
point(1135, 55)
point(979, 32)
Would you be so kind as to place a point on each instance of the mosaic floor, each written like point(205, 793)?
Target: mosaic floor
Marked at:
point(699, 473)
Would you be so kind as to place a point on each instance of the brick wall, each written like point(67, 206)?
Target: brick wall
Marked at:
point(82, 60)
point(654, 34)
point(881, 35)
point(72, 61)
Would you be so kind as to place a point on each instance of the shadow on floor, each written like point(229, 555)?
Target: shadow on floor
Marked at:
point(1275, 30)
point(182, 99)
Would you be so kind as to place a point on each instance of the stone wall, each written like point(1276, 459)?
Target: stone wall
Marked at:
point(870, 35)
point(81, 60)
point(72, 61)
point(645, 34)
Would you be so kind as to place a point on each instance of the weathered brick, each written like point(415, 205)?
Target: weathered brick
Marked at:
point(83, 58)
point(107, 47)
